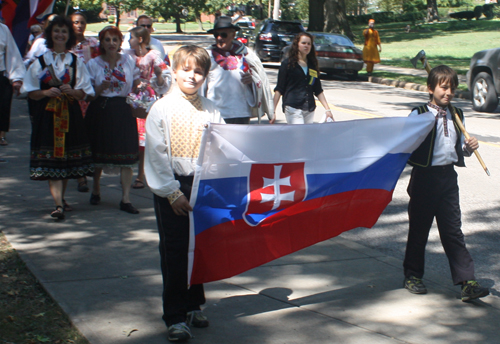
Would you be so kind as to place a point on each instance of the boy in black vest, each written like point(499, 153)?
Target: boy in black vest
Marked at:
point(433, 190)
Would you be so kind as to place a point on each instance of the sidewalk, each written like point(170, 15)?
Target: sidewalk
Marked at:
point(102, 266)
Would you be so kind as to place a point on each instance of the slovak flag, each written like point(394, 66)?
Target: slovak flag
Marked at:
point(45, 76)
point(118, 75)
point(65, 78)
point(244, 65)
point(261, 192)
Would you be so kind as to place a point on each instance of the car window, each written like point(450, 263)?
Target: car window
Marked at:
point(286, 28)
point(332, 39)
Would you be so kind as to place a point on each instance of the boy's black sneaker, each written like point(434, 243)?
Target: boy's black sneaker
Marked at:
point(415, 285)
point(473, 290)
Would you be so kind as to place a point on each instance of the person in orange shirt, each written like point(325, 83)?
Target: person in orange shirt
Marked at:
point(370, 52)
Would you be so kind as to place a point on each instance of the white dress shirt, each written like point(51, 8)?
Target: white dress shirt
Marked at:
point(444, 146)
point(160, 163)
point(11, 61)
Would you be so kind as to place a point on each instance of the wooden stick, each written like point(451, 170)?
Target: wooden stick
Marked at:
point(467, 136)
point(458, 120)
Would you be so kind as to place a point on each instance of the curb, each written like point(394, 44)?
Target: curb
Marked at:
point(409, 85)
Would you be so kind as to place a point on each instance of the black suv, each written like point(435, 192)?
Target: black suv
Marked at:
point(272, 36)
point(483, 80)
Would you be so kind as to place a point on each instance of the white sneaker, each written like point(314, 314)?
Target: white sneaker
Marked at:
point(179, 332)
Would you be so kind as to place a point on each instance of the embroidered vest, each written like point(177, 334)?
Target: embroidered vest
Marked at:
point(422, 156)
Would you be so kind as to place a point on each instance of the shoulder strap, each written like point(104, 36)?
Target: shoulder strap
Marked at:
point(42, 61)
point(73, 66)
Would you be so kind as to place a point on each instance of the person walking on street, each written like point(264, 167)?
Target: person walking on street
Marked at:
point(174, 129)
point(86, 48)
point(237, 82)
point(112, 128)
point(154, 44)
point(372, 41)
point(60, 149)
point(298, 82)
point(12, 73)
point(433, 190)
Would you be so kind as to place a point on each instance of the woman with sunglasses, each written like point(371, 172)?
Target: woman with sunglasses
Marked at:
point(111, 126)
point(237, 82)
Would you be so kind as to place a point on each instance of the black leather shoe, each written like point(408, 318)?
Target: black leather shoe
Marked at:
point(129, 208)
point(95, 199)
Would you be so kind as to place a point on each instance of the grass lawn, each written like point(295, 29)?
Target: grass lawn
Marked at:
point(452, 43)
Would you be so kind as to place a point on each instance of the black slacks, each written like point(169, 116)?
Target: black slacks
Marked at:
point(434, 193)
point(178, 299)
point(6, 92)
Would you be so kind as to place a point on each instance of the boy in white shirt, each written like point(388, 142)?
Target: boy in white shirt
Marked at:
point(173, 136)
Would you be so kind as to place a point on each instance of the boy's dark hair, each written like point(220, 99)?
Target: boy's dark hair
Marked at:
point(199, 55)
point(60, 21)
point(441, 74)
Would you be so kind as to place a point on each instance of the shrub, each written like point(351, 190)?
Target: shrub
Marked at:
point(488, 11)
point(478, 12)
point(111, 19)
point(463, 15)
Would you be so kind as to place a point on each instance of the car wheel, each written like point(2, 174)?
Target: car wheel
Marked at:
point(484, 95)
point(353, 75)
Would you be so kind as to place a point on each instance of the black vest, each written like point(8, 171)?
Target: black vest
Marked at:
point(422, 156)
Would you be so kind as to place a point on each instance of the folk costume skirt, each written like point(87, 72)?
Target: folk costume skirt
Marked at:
point(57, 156)
point(113, 132)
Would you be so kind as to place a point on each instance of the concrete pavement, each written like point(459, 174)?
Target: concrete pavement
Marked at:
point(102, 266)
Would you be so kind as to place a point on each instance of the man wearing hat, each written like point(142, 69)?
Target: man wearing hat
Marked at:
point(370, 52)
point(12, 72)
point(237, 82)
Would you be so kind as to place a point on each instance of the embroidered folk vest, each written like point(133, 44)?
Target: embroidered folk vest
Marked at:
point(422, 156)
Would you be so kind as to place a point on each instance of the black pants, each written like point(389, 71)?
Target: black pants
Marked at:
point(174, 242)
point(237, 120)
point(434, 193)
point(6, 92)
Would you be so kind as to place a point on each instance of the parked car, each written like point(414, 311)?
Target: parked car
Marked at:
point(483, 80)
point(246, 34)
point(336, 54)
point(272, 36)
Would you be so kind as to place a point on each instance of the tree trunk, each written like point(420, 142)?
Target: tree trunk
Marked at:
point(336, 19)
point(316, 15)
point(432, 12)
point(197, 16)
point(177, 17)
point(117, 16)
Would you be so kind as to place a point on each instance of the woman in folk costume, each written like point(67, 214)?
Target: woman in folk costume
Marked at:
point(86, 48)
point(370, 52)
point(56, 81)
point(155, 80)
point(237, 82)
point(111, 126)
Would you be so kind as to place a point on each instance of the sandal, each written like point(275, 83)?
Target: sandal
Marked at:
point(66, 206)
point(58, 213)
point(83, 187)
point(138, 184)
point(3, 141)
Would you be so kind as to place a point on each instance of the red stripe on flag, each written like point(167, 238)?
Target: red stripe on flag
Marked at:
point(235, 247)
